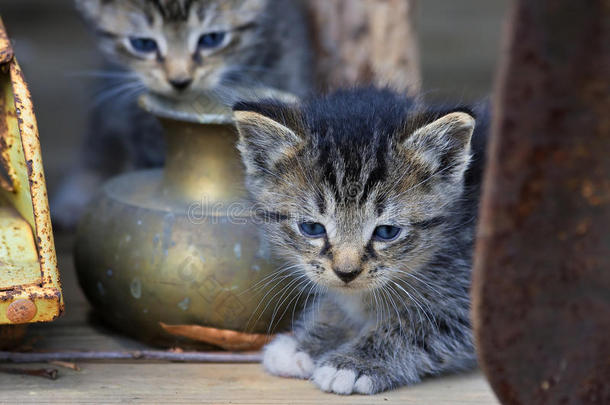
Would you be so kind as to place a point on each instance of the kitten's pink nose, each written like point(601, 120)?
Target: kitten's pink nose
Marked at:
point(347, 275)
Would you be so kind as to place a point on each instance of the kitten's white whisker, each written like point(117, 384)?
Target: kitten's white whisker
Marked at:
point(273, 281)
point(391, 299)
point(311, 285)
point(387, 305)
point(428, 284)
point(262, 300)
point(417, 291)
point(424, 301)
point(376, 311)
point(401, 301)
point(106, 74)
point(312, 288)
point(287, 294)
point(293, 297)
point(318, 299)
point(128, 95)
point(384, 307)
point(414, 301)
point(315, 287)
point(271, 277)
point(282, 291)
point(113, 91)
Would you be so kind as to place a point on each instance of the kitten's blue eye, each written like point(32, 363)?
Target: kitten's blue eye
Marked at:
point(211, 39)
point(312, 229)
point(144, 45)
point(386, 232)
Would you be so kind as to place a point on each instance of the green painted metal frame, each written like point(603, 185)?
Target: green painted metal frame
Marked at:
point(30, 289)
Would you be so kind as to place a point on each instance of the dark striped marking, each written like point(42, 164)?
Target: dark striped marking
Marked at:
point(369, 251)
point(321, 203)
point(326, 249)
point(271, 216)
point(429, 223)
point(245, 27)
point(407, 244)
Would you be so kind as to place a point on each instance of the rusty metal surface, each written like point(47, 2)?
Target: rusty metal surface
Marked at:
point(28, 265)
point(11, 335)
point(6, 50)
point(541, 287)
point(37, 186)
point(18, 256)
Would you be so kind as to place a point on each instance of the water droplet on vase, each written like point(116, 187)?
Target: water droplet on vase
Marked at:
point(184, 304)
point(136, 288)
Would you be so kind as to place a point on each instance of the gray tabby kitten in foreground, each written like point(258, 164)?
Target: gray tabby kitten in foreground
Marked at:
point(373, 201)
point(178, 49)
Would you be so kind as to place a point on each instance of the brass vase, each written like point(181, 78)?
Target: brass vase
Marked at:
point(179, 245)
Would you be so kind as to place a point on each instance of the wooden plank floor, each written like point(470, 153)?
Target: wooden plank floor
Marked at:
point(139, 382)
point(218, 384)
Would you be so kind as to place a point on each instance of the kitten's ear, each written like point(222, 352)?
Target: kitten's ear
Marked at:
point(268, 133)
point(90, 9)
point(249, 9)
point(444, 144)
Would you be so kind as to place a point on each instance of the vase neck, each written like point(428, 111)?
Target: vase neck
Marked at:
point(203, 164)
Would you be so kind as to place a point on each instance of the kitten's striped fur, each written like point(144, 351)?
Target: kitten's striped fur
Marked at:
point(352, 161)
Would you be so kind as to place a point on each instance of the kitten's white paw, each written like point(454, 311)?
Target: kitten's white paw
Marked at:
point(341, 381)
point(364, 385)
point(281, 357)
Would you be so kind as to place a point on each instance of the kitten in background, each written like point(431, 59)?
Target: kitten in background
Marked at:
point(373, 202)
point(178, 49)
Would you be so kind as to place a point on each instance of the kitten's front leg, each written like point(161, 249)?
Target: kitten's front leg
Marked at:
point(388, 357)
point(316, 333)
point(284, 358)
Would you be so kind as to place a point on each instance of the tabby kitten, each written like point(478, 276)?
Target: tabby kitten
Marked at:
point(373, 201)
point(180, 46)
point(178, 49)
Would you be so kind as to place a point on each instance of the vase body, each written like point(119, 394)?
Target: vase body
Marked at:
point(179, 245)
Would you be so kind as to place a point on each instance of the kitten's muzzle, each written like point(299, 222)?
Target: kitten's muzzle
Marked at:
point(347, 275)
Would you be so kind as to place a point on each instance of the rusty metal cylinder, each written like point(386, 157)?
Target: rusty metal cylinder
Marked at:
point(541, 288)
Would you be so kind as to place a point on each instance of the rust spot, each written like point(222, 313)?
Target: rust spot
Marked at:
point(29, 164)
point(21, 311)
